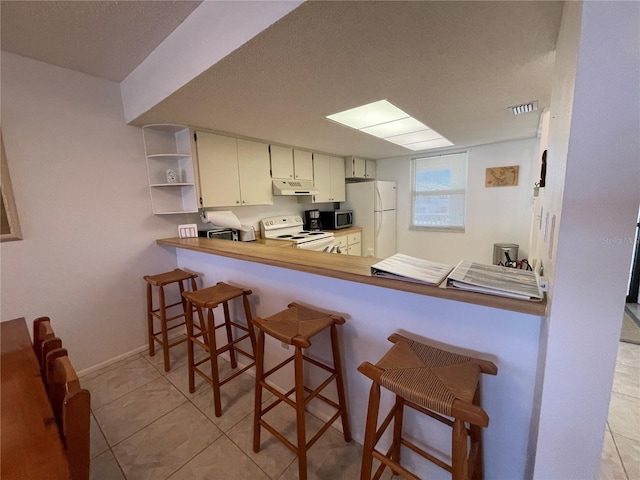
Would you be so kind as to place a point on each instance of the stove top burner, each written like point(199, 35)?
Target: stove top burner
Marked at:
point(291, 228)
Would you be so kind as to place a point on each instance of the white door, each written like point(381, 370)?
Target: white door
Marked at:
point(385, 195)
point(385, 233)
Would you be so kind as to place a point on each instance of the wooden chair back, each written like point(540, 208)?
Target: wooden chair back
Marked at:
point(72, 408)
point(42, 332)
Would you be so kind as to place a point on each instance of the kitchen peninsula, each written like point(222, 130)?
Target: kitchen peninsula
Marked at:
point(374, 308)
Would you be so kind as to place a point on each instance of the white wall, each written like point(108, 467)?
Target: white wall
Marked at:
point(80, 183)
point(372, 313)
point(494, 215)
point(595, 178)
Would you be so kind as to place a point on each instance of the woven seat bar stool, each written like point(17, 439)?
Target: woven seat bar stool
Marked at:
point(296, 326)
point(183, 280)
point(437, 383)
point(204, 336)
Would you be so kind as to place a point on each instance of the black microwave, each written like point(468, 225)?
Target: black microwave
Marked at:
point(336, 219)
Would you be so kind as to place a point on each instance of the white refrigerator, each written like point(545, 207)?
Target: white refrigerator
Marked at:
point(374, 210)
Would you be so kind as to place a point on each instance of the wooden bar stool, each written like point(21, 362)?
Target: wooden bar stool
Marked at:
point(296, 326)
point(205, 336)
point(161, 336)
point(437, 383)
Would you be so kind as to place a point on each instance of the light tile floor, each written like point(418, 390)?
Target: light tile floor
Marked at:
point(146, 425)
point(621, 452)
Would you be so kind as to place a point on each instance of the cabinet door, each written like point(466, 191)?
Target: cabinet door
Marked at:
point(218, 170)
point(370, 169)
point(281, 162)
point(359, 167)
point(338, 189)
point(303, 165)
point(255, 173)
point(355, 250)
point(322, 177)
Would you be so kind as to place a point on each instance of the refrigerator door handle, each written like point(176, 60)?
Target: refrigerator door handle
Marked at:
point(378, 200)
point(377, 214)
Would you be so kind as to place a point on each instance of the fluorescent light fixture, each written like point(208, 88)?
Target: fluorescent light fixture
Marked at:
point(524, 108)
point(384, 120)
point(368, 115)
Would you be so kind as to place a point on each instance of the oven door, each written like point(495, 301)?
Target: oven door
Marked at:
point(318, 245)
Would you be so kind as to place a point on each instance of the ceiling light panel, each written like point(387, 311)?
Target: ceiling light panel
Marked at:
point(398, 127)
point(415, 137)
point(384, 120)
point(437, 143)
point(368, 115)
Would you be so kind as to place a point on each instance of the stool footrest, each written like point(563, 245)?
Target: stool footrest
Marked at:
point(397, 468)
point(427, 455)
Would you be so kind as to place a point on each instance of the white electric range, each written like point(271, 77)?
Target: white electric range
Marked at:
point(291, 228)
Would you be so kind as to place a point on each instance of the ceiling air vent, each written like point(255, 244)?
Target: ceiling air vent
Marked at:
point(524, 108)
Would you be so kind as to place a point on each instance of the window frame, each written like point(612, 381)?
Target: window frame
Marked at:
point(415, 194)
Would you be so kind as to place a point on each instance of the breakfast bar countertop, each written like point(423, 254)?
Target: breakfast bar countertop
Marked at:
point(344, 267)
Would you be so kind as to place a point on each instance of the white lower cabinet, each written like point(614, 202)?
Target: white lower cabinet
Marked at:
point(232, 172)
point(350, 244)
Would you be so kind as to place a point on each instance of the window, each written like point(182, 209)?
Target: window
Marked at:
point(438, 192)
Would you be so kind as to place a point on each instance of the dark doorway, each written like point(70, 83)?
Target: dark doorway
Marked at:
point(634, 282)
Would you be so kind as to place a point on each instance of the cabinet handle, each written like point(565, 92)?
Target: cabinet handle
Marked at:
point(237, 201)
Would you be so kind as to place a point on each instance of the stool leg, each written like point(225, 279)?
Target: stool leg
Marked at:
point(227, 327)
point(213, 357)
point(476, 437)
point(247, 316)
point(302, 438)
point(459, 451)
point(476, 442)
point(397, 429)
point(152, 350)
point(342, 401)
point(370, 432)
point(257, 411)
point(190, 359)
point(163, 325)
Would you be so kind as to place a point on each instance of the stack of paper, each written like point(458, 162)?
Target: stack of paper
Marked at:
point(411, 269)
point(495, 280)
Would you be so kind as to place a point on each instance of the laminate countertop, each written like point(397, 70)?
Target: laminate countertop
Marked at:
point(344, 267)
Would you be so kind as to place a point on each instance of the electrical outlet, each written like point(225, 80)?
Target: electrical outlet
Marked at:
point(284, 345)
point(544, 284)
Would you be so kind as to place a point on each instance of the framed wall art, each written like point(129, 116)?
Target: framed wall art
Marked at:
point(502, 176)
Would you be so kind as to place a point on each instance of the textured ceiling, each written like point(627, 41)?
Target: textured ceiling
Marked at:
point(455, 66)
point(106, 39)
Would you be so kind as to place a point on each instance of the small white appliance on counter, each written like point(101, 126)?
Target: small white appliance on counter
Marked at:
point(291, 228)
point(374, 209)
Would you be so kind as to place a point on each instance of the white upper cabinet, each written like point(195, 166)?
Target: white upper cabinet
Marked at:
point(290, 164)
point(370, 169)
point(170, 169)
point(255, 173)
point(232, 172)
point(359, 168)
point(328, 178)
point(303, 165)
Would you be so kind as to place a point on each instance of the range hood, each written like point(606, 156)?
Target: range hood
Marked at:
point(294, 187)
